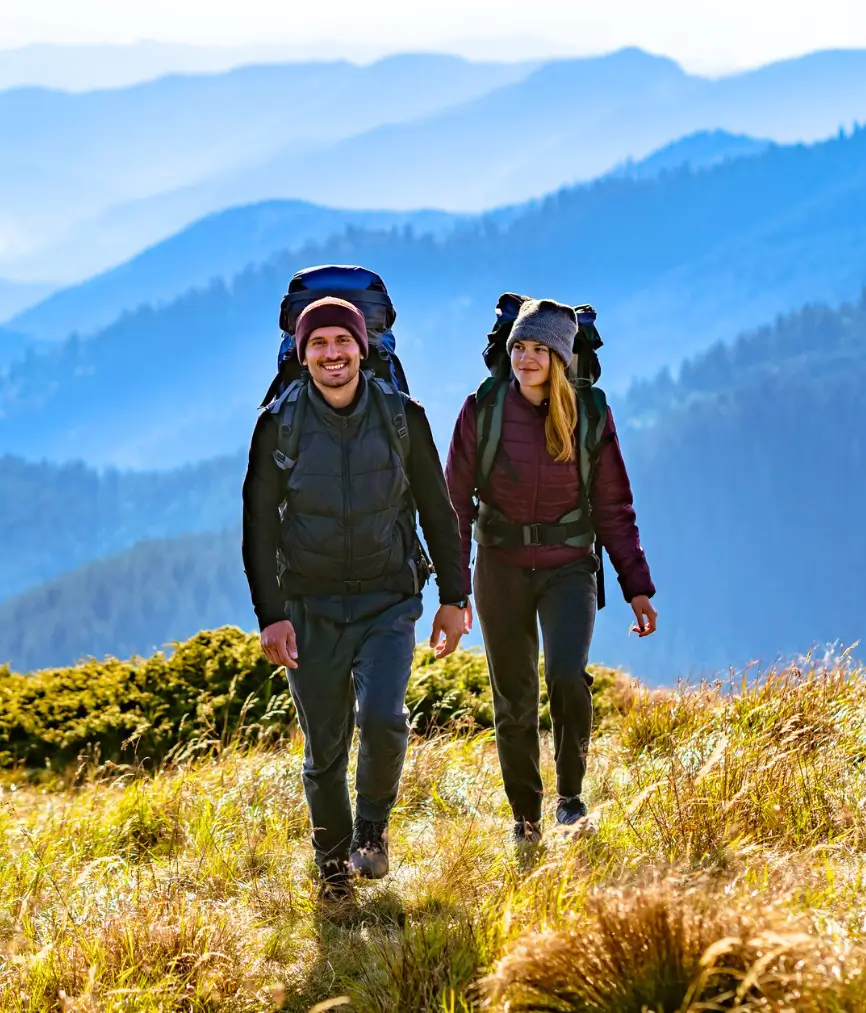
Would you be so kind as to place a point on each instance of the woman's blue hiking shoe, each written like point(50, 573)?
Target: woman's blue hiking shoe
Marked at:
point(572, 812)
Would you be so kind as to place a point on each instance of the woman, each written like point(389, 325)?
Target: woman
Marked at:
point(530, 568)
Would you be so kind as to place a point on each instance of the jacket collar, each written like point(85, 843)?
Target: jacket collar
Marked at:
point(527, 406)
point(352, 418)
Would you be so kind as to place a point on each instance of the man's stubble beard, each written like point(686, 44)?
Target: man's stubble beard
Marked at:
point(325, 379)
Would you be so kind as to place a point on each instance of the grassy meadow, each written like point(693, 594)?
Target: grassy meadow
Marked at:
point(727, 873)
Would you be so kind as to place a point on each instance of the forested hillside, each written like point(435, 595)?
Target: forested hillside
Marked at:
point(223, 244)
point(55, 517)
point(673, 264)
point(219, 246)
point(136, 602)
point(749, 473)
point(700, 150)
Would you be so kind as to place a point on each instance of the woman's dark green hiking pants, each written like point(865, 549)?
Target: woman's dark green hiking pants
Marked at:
point(510, 602)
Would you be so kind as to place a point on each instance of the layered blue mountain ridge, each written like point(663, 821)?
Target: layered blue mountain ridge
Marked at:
point(672, 264)
point(95, 177)
point(223, 244)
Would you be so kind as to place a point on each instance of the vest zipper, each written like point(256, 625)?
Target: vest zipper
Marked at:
point(347, 544)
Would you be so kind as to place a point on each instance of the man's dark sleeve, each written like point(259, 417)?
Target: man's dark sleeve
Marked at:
point(460, 479)
point(435, 512)
point(263, 491)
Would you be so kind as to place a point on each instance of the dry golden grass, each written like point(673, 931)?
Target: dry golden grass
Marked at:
point(727, 874)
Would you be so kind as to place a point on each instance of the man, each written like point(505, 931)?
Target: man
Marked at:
point(335, 572)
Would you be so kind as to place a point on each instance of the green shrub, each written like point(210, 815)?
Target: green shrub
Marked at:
point(457, 688)
point(213, 689)
point(450, 689)
point(208, 690)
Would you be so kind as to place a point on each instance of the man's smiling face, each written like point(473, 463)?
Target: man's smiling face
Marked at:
point(332, 356)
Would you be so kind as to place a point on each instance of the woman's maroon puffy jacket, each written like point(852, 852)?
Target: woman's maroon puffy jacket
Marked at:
point(529, 487)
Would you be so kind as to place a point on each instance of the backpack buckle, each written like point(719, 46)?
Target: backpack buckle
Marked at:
point(400, 426)
point(352, 586)
point(283, 463)
point(531, 536)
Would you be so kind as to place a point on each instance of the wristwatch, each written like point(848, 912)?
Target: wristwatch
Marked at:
point(463, 603)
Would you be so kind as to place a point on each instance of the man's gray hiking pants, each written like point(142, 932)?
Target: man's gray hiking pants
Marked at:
point(511, 601)
point(352, 673)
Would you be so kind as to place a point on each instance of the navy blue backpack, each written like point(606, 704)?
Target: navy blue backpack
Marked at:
point(357, 285)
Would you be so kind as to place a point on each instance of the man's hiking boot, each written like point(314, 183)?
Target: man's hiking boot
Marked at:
point(335, 883)
point(369, 850)
point(527, 831)
point(572, 812)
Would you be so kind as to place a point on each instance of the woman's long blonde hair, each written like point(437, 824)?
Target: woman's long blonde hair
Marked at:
point(562, 415)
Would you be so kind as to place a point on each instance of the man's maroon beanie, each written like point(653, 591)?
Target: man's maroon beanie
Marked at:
point(331, 312)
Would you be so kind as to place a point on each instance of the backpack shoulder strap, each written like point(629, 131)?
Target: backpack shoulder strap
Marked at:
point(392, 404)
point(289, 409)
point(592, 419)
point(490, 407)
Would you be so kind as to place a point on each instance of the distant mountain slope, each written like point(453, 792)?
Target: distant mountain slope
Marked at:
point(15, 296)
point(749, 475)
point(132, 603)
point(222, 244)
point(14, 346)
point(87, 67)
point(135, 142)
point(701, 150)
point(56, 517)
point(672, 264)
point(219, 246)
point(570, 120)
point(141, 163)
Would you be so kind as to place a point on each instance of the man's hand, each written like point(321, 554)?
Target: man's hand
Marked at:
point(645, 614)
point(450, 623)
point(279, 644)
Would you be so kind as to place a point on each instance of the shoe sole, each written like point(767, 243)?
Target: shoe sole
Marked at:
point(580, 828)
point(362, 867)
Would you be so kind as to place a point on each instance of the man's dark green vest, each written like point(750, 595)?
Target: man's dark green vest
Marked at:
point(348, 518)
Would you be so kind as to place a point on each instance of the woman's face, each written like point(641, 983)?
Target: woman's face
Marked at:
point(530, 362)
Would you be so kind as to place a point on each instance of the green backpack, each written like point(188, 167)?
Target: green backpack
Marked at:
point(575, 528)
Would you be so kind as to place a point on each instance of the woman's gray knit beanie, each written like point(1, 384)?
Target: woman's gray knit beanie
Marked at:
point(549, 323)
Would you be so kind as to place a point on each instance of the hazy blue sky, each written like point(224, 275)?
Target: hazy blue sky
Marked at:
point(703, 34)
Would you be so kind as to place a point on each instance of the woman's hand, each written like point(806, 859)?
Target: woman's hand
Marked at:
point(645, 614)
